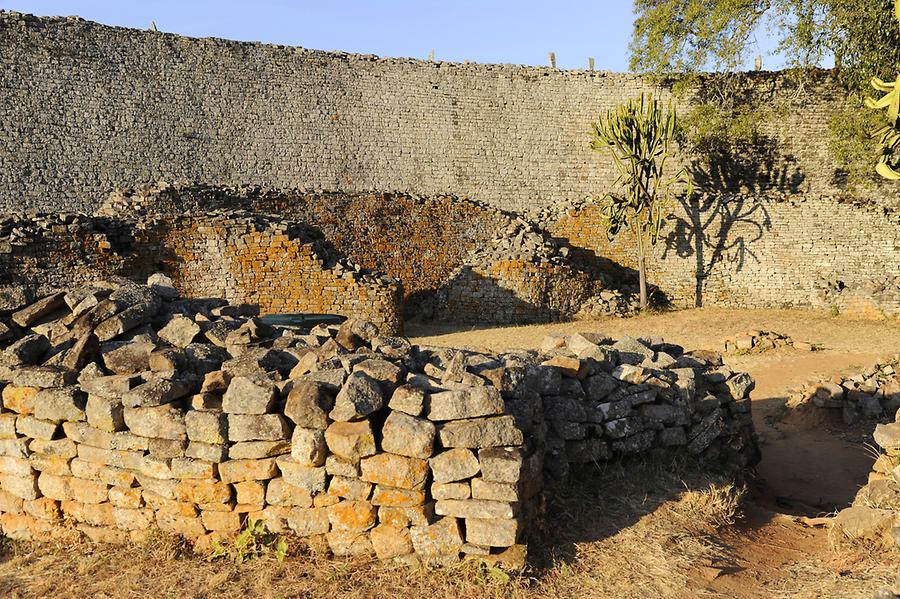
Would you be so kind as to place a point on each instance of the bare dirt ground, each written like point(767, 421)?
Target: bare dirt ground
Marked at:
point(633, 529)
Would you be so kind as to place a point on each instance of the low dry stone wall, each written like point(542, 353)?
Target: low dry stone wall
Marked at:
point(634, 396)
point(871, 393)
point(759, 341)
point(874, 517)
point(126, 408)
point(277, 264)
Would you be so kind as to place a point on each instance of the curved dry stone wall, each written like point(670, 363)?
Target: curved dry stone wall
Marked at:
point(278, 265)
point(126, 408)
point(871, 393)
point(231, 113)
point(874, 517)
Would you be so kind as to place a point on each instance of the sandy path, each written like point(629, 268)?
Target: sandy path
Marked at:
point(698, 328)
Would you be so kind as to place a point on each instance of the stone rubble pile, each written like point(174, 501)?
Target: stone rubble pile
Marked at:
point(611, 302)
point(874, 517)
point(760, 341)
point(879, 297)
point(871, 393)
point(521, 240)
point(127, 408)
point(548, 214)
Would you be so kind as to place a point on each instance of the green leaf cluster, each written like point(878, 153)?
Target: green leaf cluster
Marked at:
point(254, 541)
point(681, 36)
point(712, 132)
point(638, 136)
point(850, 142)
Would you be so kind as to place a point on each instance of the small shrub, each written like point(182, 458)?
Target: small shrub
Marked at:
point(252, 542)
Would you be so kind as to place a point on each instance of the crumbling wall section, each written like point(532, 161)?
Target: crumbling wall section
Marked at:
point(276, 264)
point(458, 260)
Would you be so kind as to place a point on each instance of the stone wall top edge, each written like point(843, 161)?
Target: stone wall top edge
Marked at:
point(30, 20)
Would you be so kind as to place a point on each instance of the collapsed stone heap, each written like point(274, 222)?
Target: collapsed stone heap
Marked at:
point(874, 517)
point(871, 393)
point(760, 341)
point(610, 302)
point(127, 408)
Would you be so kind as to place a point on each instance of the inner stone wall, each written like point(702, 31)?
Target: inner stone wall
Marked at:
point(88, 107)
point(458, 260)
point(277, 265)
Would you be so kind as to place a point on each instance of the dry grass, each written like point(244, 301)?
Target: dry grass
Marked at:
point(637, 530)
point(629, 530)
point(846, 574)
point(632, 529)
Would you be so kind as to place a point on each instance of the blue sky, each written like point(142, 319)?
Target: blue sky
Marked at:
point(513, 31)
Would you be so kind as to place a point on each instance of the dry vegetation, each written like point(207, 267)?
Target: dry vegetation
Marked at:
point(633, 529)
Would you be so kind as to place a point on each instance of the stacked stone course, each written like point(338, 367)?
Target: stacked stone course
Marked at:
point(279, 265)
point(871, 393)
point(127, 408)
point(234, 113)
point(638, 396)
point(874, 517)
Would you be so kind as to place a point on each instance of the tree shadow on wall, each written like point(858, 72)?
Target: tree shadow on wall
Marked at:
point(716, 230)
point(754, 166)
point(727, 214)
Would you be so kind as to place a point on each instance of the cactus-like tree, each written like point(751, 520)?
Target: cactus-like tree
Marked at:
point(639, 135)
point(888, 135)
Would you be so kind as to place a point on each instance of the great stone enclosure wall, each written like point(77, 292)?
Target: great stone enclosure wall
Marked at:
point(126, 408)
point(87, 108)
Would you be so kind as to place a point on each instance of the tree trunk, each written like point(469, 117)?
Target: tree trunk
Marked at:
point(642, 275)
